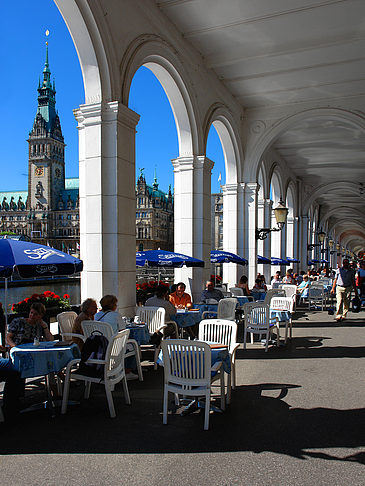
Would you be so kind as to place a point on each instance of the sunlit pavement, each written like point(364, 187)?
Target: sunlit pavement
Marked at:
point(297, 417)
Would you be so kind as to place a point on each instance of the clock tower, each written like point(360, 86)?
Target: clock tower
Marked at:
point(46, 167)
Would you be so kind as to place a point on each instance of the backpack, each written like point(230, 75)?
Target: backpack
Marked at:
point(94, 347)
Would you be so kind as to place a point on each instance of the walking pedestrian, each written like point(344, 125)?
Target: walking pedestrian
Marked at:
point(343, 283)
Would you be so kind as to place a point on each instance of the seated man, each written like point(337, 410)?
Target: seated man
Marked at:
point(180, 299)
point(161, 299)
point(211, 293)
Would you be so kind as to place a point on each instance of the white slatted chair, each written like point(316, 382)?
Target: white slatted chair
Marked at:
point(236, 291)
point(65, 322)
point(154, 317)
point(187, 372)
point(221, 331)
point(114, 372)
point(277, 292)
point(316, 296)
point(226, 310)
point(106, 330)
point(284, 304)
point(258, 321)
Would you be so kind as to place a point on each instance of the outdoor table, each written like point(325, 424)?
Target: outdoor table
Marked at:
point(43, 360)
point(243, 299)
point(48, 357)
point(258, 295)
point(282, 316)
point(185, 318)
point(139, 332)
point(206, 307)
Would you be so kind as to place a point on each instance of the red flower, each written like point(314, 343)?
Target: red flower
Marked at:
point(66, 296)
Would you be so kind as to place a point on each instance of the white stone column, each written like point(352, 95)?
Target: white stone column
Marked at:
point(107, 201)
point(232, 221)
point(250, 225)
point(266, 243)
point(303, 223)
point(192, 218)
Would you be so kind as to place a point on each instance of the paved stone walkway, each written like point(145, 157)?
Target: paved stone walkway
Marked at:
point(297, 418)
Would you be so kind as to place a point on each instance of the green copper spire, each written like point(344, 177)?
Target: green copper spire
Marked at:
point(155, 183)
point(46, 96)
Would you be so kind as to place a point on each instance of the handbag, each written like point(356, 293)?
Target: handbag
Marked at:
point(356, 304)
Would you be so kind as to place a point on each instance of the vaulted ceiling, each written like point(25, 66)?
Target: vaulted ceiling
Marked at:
point(309, 53)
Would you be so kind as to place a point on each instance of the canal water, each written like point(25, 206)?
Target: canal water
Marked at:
point(70, 287)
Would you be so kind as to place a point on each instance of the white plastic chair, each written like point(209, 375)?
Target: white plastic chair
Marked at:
point(187, 371)
point(154, 317)
point(222, 332)
point(226, 309)
point(258, 321)
point(277, 292)
point(114, 372)
point(65, 322)
point(316, 295)
point(236, 291)
point(106, 330)
point(284, 304)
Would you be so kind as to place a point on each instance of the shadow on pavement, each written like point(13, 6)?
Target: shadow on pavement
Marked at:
point(258, 420)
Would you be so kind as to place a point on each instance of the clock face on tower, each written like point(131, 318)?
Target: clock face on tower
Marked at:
point(39, 171)
point(58, 172)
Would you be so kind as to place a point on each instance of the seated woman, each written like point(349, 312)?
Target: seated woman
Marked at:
point(289, 279)
point(180, 299)
point(303, 285)
point(24, 329)
point(109, 313)
point(259, 286)
point(88, 310)
point(20, 331)
point(243, 284)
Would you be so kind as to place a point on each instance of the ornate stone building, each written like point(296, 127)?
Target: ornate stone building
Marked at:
point(49, 211)
point(154, 216)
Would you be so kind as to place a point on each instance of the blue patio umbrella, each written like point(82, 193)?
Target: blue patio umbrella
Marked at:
point(263, 260)
point(34, 260)
point(313, 262)
point(278, 261)
point(163, 258)
point(218, 256)
point(292, 260)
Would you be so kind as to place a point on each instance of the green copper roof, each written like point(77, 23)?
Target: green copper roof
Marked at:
point(72, 183)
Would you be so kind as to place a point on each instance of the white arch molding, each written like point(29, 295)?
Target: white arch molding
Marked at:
point(280, 126)
point(223, 122)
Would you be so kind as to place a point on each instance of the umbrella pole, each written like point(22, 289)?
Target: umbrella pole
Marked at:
point(6, 308)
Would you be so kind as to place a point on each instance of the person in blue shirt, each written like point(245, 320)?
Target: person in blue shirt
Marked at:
point(211, 293)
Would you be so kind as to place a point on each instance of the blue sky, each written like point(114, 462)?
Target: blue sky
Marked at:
point(22, 56)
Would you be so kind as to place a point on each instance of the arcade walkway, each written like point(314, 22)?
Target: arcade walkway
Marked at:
point(297, 418)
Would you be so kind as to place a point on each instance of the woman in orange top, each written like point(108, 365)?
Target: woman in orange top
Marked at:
point(180, 299)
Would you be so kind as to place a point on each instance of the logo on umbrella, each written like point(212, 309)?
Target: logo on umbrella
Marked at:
point(46, 269)
point(42, 253)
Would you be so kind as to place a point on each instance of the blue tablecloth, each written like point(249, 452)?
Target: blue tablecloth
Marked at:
point(283, 316)
point(139, 333)
point(243, 299)
point(258, 295)
point(207, 307)
point(217, 354)
point(187, 319)
point(46, 358)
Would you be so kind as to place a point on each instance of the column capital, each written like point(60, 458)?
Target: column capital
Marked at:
point(192, 162)
point(251, 188)
point(94, 113)
point(232, 189)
